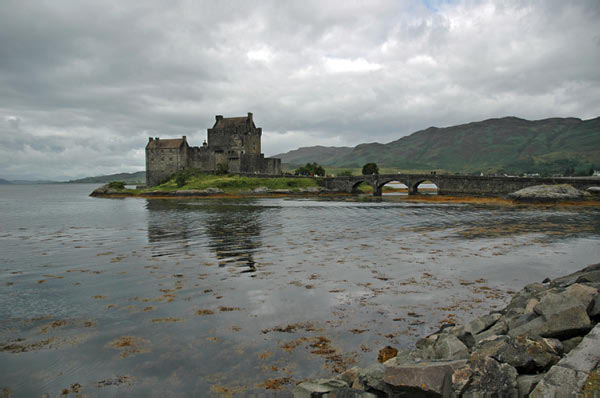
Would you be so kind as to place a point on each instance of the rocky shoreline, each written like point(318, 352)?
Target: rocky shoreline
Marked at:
point(106, 191)
point(545, 343)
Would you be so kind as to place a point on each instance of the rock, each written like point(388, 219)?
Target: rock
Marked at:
point(498, 329)
point(570, 321)
point(429, 377)
point(586, 355)
point(486, 377)
point(386, 353)
point(585, 294)
point(593, 190)
point(370, 377)
point(449, 346)
point(589, 277)
point(567, 323)
point(568, 376)
point(535, 327)
point(548, 193)
point(527, 355)
point(519, 301)
point(349, 375)
point(595, 308)
point(482, 323)
point(552, 303)
point(260, 190)
point(531, 305)
point(211, 190)
point(311, 189)
point(517, 320)
point(317, 388)
point(558, 382)
point(348, 393)
point(571, 343)
point(573, 278)
point(526, 383)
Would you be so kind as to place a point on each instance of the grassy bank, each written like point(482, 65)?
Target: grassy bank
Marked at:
point(230, 184)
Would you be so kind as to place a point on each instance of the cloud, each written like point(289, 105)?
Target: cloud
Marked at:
point(82, 85)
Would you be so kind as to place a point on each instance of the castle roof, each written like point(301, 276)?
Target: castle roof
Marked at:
point(172, 143)
point(229, 122)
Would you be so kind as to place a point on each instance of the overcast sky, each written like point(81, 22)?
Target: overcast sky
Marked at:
point(83, 84)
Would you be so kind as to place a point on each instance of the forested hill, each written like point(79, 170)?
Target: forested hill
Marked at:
point(508, 144)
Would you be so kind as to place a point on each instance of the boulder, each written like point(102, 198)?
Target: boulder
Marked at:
point(519, 301)
point(485, 376)
point(568, 376)
point(585, 294)
point(570, 321)
point(433, 378)
point(571, 343)
point(526, 383)
point(370, 377)
point(348, 393)
point(499, 328)
point(595, 308)
point(593, 190)
point(559, 382)
point(574, 277)
point(527, 355)
point(549, 193)
point(449, 346)
point(318, 388)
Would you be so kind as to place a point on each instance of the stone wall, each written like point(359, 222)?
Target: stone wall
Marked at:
point(161, 164)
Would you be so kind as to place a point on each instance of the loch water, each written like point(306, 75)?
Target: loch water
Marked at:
point(234, 297)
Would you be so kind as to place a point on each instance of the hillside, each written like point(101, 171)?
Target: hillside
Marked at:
point(128, 178)
point(509, 144)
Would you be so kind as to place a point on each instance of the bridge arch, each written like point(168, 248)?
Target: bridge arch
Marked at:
point(414, 187)
point(355, 185)
point(382, 183)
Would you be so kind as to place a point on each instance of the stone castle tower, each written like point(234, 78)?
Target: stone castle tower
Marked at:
point(233, 145)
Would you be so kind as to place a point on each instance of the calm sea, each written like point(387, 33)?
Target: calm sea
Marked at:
point(201, 297)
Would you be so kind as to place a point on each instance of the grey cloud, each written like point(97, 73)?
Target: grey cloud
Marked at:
point(85, 83)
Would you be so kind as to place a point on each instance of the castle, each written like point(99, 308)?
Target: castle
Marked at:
point(233, 145)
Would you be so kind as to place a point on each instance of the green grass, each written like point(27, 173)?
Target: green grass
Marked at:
point(233, 184)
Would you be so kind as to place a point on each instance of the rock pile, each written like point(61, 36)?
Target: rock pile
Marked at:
point(545, 343)
point(543, 193)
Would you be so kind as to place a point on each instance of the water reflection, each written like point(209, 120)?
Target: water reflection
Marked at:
point(235, 235)
point(232, 231)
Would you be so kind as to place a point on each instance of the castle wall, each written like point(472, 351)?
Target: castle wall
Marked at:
point(201, 159)
point(233, 146)
point(161, 164)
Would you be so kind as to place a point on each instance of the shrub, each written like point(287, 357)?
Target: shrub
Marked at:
point(116, 185)
point(310, 169)
point(181, 179)
point(222, 168)
point(345, 173)
point(370, 168)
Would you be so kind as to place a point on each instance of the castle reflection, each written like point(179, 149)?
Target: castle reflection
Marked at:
point(231, 230)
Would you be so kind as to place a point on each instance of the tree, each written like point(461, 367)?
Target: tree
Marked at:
point(310, 169)
point(370, 168)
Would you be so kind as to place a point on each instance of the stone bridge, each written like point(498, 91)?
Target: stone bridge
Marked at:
point(455, 184)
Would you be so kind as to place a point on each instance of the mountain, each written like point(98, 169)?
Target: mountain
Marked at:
point(507, 144)
point(128, 178)
point(2, 181)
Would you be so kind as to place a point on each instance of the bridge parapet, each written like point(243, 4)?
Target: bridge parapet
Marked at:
point(455, 184)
